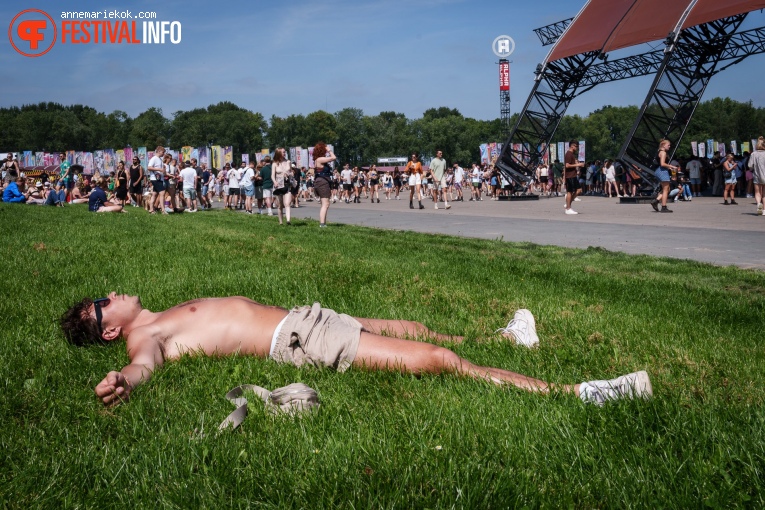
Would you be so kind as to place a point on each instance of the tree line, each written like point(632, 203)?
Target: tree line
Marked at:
point(358, 138)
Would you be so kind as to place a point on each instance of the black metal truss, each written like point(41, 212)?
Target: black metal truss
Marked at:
point(555, 87)
point(680, 82)
point(550, 33)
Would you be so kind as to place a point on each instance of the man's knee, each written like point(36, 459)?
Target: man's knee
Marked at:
point(441, 358)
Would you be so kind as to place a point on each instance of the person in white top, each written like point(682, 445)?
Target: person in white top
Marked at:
point(694, 174)
point(346, 176)
point(281, 171)
point(542, 177)
point(475, 181)
point(233, 188)
point(459, 178)
point(189, 178)
point(247, 186)
point(610, 172)
point(156, 175)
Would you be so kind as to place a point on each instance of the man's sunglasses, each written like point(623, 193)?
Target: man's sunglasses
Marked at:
point(97, 305)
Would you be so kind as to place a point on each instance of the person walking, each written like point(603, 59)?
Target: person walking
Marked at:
point(414, 169)
point(438, 170)
point(662, 173)
point(729, 174)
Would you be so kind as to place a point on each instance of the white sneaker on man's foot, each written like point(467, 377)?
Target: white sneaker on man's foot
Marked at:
point(634, 385)
point(759, 209)
point(571, 211)
point(523, 328)
point(577, 199)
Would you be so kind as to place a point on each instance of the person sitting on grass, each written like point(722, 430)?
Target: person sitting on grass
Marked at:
point(14, 192)
point(305, 335)
point(97, 200)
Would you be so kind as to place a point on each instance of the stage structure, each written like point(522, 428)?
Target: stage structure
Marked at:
point(702, 34)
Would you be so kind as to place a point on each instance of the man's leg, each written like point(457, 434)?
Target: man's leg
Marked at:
point(404, 329)
point(377, 352)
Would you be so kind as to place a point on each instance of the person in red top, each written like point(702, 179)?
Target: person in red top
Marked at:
point(571, 169)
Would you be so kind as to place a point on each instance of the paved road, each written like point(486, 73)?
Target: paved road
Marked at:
point(702, 230)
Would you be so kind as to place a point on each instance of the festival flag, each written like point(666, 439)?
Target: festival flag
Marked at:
point(259, 157)
point(109, 161)
point(128, 151)
point(119, 155)
point(710, 147)
point(87, 163)
point(70, 157)
point(228, 155)
point(582, 151)
point(56, 159)
point(754, 145)
point(246, 159)
point(745, 147)
point(721, 149)
point(264, 152)
point(142, 157)
point(702, 150)
point(293, 153)
point(734, 147)
point(39, 159)
point(545, 155)
point(695, 148)
point(48, 159)
point(565, 148)
point(186, 152)
point(98, 162)
point(27, 159)
point(562, 148)
point(195, 155)
point(553, 152)
point(216, 155)
point(311, 162)
point(203, 156)
point(484, 151)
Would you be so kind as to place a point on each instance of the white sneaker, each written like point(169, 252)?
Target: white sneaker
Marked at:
point(571, 211)
point(448, 206)
point(577, 199)
point(634, 385)
point(759, 209)
point(436, 207)
point(523, 328)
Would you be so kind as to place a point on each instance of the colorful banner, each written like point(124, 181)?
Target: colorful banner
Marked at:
point(582, 151)
point(293, 153)
point(754, 145)
point(721, 149)
point(228, 155)
point(109, 161)
point(734, 147)
point(56, 159)
point(710, 147)
point(264, 152)
point(545, 153)
point(311, 162)
point(702, 150)
point(259, 157)
point(695, 148)
point(70, 157)
point(745, 147)
point(87, 163)
point(142, 157)
point(195, 155)
point(98, 162)
point(186, 152)
point(246, 159)
point(484, 150)
point(203, 156)
point(553, 152)
point(48, 159)
point(119, 155)
point(27, 159)
point(216, 155)
point(128, 156)
point(303, 158)
point(39, 158)
point(562, 148)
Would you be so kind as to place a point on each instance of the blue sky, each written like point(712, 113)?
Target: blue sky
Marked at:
point(280, 58)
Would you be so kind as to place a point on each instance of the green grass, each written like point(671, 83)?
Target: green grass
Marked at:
point(379, 439)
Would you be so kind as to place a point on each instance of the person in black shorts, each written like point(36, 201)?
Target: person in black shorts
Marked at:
point(121, 189)
point(571, 171)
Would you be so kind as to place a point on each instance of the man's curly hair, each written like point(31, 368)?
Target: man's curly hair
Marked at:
point(79, 327)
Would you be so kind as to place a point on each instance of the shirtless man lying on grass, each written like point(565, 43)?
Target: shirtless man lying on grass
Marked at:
point(305, 335)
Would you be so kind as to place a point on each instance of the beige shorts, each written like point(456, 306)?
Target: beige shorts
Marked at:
point(318, 336)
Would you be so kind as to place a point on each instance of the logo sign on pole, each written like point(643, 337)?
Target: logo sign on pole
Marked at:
point(504, 76)
point(503, 46)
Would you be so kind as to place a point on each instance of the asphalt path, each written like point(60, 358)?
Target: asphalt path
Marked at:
point(704, 229)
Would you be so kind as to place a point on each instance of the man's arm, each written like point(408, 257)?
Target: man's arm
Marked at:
point(117, 386)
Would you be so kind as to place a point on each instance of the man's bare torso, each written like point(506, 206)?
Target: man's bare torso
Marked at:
point(213, 326)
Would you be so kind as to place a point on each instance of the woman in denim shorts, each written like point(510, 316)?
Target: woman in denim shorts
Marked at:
point(662, 173)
